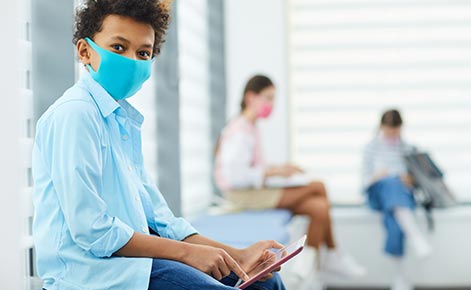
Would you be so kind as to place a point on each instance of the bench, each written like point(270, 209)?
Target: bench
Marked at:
point(360, 232)
point(244, 228)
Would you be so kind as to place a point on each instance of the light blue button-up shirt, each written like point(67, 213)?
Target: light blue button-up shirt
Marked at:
point(92, 193)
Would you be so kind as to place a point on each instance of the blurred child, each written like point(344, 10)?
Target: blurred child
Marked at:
point(389, 189)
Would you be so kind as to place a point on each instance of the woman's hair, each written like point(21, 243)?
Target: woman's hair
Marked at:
point(391, 118)
point(89, 16)
point(256, 84)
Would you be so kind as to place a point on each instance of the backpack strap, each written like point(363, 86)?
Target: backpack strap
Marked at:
point(428, 205)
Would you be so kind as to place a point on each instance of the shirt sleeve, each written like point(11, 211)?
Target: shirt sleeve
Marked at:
point(164, 222)
point(70, 144)
point(236, 157)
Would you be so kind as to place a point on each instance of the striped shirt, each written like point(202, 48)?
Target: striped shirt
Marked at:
point(381, 155)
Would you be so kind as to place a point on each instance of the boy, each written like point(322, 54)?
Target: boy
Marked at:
point(100, 222)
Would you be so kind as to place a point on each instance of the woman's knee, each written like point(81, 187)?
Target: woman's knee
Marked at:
point(317, 188)
point(318, 207)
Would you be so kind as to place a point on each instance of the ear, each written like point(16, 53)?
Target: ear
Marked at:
point(249, 97)
point(84, 51)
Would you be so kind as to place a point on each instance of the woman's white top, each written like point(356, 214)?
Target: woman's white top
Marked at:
point(239, 163)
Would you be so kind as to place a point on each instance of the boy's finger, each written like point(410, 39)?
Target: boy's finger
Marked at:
point(235, 267)
point(274, 244)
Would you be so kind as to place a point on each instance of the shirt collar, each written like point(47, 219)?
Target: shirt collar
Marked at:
point(131, 112)
point(106, 103)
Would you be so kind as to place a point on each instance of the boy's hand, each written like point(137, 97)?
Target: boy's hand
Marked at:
point(213, 261)
point(251, 257)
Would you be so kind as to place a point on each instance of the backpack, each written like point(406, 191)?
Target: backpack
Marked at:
point(430, 188)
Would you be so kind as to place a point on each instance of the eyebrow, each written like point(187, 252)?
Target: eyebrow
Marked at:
point(147, 45)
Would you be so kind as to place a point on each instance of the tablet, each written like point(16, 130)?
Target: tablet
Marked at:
point(275, 261)
point(296, 180)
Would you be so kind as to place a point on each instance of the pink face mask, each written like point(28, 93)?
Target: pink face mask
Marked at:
point(265, 110)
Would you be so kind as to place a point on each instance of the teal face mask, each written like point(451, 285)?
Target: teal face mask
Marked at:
point(120, 76)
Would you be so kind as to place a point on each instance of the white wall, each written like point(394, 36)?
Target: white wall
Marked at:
point(10, 267)
point(255, 43)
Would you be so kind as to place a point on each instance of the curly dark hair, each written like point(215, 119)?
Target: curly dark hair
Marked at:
point(89, 17)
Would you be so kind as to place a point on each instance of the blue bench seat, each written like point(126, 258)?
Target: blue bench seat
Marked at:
point(244, 228)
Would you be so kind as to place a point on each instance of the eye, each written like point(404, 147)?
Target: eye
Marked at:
point(118, 47)
point(144, 54)
point(268, 97)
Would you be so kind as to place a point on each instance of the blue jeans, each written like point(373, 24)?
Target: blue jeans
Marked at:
point(384, 196)
point(173, 275)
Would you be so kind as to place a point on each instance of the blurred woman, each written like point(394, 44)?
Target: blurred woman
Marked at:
point(241, 174)
point(389, 189)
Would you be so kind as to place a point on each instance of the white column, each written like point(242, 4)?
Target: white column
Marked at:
point(11, 270)
point(256, 44)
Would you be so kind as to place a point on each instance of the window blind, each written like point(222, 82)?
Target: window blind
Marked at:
point(194, 105)
point(26, 143)
point(351, 59)
point(145, 102)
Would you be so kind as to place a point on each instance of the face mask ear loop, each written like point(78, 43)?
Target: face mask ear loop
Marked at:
point(89, 67)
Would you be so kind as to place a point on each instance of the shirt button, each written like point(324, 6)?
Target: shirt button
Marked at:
point(144, 229)
point(130, 168)
point(136, 198)
point(125, 137)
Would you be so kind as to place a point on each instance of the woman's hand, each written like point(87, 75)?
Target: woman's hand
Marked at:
point(213, 261)
point(250, 257)
point(379, 175)
point(286, 170)
point(293, 169)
